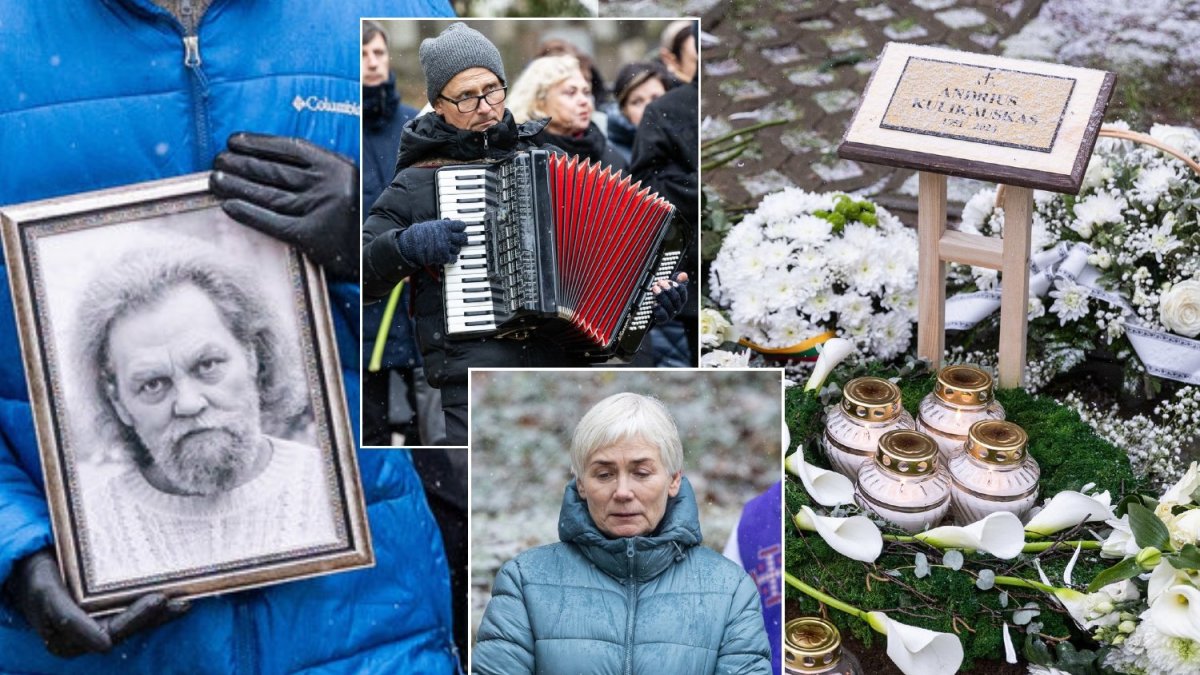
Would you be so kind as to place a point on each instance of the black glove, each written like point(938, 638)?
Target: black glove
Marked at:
point(433, 242)
point(294, 191)
point(671, 299)
point(38, 591)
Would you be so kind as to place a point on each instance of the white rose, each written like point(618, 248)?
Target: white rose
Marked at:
point(1184, 528)
point(1183, 139)
point(1179, 308)
point(714, 328)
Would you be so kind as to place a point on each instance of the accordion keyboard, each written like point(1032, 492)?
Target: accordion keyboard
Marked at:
point(462, 195)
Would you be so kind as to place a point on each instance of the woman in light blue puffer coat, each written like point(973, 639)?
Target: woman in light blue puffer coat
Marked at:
point(629, 589)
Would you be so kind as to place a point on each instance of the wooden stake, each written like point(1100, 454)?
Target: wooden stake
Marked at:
point(1014, 276)
point(931, 273)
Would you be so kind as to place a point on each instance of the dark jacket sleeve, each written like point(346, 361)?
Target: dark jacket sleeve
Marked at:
point(664, 155)
point(383, 266)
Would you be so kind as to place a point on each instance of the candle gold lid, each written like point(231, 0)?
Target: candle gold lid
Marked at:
point(873, 399)
point(907, 452)
point(964, 385)
point(811, 644)
point(997, 442)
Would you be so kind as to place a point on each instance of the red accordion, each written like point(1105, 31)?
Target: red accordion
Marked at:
point(557, 245)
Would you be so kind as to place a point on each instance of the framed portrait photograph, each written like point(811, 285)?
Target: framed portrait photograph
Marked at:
point(187, 396)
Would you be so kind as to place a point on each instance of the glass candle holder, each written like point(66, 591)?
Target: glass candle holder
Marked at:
point(962, 397)
point(870, 407)
point(994, 473)
point(813, 646)
point(906, 483)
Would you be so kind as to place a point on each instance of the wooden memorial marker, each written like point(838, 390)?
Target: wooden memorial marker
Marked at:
point(1023, 124)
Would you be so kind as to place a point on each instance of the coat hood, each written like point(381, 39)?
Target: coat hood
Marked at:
point(637, 558)
point(431, 137)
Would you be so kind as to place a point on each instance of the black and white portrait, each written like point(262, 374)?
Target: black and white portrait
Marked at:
point(195, 437)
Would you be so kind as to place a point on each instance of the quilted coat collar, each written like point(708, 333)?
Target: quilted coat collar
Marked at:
point(429, 136)
point(636, 558)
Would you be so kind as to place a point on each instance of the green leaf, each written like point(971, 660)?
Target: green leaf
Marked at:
point(953, 560)
point(1125, 569)
point(1187, 559)
point(1148, 530)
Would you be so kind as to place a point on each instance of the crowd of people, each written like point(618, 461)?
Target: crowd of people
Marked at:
point(644, 125)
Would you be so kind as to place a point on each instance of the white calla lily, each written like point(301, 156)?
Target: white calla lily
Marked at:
point(1176, 612)
point(1068, 509)
point(833, 352)
point(1162, 578)
point(1000, 534)
point(855, 537)
point(918, 651)
point(828, 488)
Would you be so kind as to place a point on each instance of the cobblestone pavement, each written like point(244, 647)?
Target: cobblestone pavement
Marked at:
point(807, 62)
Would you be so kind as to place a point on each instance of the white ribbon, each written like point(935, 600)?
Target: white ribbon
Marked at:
point(1163, 354)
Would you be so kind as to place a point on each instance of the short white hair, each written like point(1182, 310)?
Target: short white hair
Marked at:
point(627, 416)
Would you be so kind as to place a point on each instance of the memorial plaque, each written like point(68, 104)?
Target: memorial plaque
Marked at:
point(1023, 123)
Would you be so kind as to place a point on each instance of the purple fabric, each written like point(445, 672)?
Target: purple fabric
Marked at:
point(760, 545)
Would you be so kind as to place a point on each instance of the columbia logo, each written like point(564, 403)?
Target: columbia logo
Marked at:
point(302, 103)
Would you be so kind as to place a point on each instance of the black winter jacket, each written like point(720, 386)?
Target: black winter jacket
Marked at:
point(591, 145)
point(428, 143)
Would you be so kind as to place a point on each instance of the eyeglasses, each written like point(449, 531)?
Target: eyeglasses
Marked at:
point(469, 104)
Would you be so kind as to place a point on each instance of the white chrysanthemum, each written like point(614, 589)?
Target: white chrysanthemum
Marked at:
point(808, 259)
point(789, 328)
point(752, 306)
point(1148, 651)
point(1157, 241)
point(1097, 209)
point(1093, 177)
point(986, 279)
point(866, 277)
point(843, 255)
point(809, 230)
point(853, 310)
point(890, 334)
point(977, 210)
point(1070, 301)
point(1153, 183)
point(820, 306)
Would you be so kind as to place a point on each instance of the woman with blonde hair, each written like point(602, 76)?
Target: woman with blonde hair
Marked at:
point(554, 87)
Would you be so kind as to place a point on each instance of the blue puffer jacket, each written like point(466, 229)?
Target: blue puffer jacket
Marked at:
point(657, 605)
point(98, 94)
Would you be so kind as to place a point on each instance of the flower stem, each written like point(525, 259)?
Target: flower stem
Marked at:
point(1039, 546)
point(823, 597)
point(1025, 583)
point(707, 145)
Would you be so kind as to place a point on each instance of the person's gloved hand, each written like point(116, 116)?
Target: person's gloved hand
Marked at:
point(294, 191)
point(433, 242)
point(38, 591)
point(670, 298)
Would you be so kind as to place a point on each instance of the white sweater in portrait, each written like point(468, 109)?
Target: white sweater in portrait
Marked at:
point(138, 532)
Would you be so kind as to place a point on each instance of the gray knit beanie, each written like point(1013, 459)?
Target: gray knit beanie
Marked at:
point(458, 48)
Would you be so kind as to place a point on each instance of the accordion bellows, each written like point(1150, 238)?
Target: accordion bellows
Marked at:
point(557, 245)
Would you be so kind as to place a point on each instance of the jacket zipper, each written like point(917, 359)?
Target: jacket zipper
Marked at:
point(199, 82)
point(632, 591)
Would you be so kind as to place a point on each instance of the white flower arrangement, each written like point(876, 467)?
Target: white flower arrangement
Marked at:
point(1129, 256)
point(805, 263)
